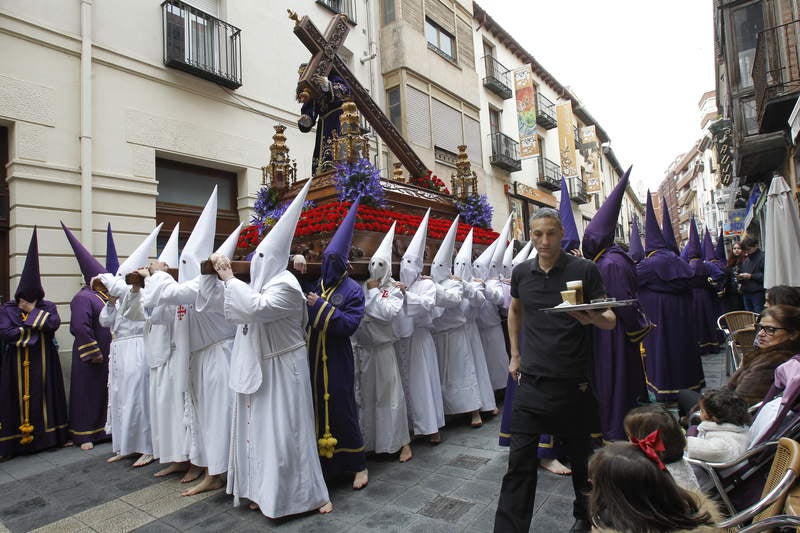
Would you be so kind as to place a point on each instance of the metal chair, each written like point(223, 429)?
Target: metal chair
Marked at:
point(729, 323)
point(769, 524)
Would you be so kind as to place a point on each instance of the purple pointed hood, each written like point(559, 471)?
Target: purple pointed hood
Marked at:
point(666, 227)
point(571, 240)
point(692, 249)
point(720, 252)
point(653, 238)
point(335, 258)
point(90, 267)
point(112, 260)
point(30, 282)
point(636, 250)
point(599, 234)
point(709, 254)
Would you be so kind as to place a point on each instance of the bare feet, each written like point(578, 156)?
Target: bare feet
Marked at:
point(436, 438)
point(193, 473)
point(476, 420)
point(495, 411)
point(361, 480)
point(253, 506)
point(143, 460)
point(172, 468)
point(208, 483)
point(68, 444)
point(327, 508)
point(555, 466)
point(117, 457)
point(86, 446)
point(405, 453)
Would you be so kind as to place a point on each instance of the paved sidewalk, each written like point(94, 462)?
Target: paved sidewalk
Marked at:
point(452, 487)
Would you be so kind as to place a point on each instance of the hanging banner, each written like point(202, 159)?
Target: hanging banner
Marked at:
point(566, 139)
point(526, 112)
point(734, 225)
point(590, 150)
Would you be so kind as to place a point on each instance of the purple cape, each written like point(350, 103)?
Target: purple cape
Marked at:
point(88, 392)
point(31, 338)
point(705, 308)
point(331, 322)
point(665, 292)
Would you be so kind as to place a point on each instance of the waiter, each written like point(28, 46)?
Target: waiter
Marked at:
point(552, 367)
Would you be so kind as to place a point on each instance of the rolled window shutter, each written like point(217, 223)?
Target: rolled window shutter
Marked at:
point(447, 132)
point(472, 138)
point(419, 124)
point(209, 6)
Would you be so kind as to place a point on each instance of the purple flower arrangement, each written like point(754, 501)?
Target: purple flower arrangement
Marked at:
point(475, 211)
point(269, 209)
point(360, 177)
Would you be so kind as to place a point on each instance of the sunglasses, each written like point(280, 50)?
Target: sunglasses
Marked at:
point(768, 330)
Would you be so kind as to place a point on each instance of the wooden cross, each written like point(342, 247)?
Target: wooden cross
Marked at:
point(324, 59)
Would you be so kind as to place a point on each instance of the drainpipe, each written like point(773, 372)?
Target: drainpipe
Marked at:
point(377, 97)
point(86, 123)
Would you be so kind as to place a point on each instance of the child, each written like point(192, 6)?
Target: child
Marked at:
point(723, 433)
point(642, 421)
point(631, 492)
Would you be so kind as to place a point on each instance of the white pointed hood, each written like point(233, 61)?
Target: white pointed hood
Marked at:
point(534, 251)
point(523, 255)
point(169, 254)
point(508, 260)
point(442, 265)
point(414, 257)
point(139, 257)
point(201, 241)
point(272, 253)
point(480, 267)
point(380, 265)
point(496, 265)
point(463, 263)
point(228, 248)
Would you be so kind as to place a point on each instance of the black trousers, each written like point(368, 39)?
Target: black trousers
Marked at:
point(518, 491)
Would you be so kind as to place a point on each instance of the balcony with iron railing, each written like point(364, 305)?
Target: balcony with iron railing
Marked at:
point(549, 175)
point(545, 112)
point(776, 75)
point(202, 45)
point(577, 190)
point(505, 152)
point(497, 78)
point(345, 7)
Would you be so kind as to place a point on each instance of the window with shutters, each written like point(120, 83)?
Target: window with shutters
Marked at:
point(419, 117)
point(447, 127)
point(439, 40)
point(494, 120)
point(472, 138)
point(393, 105)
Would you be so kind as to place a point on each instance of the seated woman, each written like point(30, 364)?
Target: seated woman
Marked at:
point(631, 491)
point(722, 435)
point(643, 421)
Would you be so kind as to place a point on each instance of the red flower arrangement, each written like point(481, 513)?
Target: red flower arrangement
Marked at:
point(431, 182)
point(249, 237)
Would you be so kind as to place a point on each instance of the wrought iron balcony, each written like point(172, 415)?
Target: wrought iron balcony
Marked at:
point(505, 152)
point(549, 175)
point(497, 78)
point(202, 45)
point(577, 190)
point(776, 75)
point(545, 112)
point(345, 7)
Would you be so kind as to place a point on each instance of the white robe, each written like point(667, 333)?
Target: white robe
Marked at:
point(490, 327)
point(473, 300)
point(416, 356)
point(379, 389)
point(456, 364)
point(128, 418)
point(210, 338)
point(169, 433)
point(274, 460)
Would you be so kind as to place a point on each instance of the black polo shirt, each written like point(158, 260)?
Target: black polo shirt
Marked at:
point(554, 344)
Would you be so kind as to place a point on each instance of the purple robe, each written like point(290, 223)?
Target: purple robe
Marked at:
point(619, 380)
point(331, 322)
point(88, 393)
point(665, 292)
point(704, 310)
point(43, 416)
point(325, 111)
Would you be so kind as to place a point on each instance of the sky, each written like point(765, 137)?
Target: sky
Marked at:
point(639, 68)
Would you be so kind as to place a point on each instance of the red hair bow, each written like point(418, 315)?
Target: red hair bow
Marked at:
point(651, 445)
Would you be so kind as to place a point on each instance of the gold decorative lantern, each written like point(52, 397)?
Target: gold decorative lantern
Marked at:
point(464, 181)
point(397, 173)
point(281, 172)
point(349, 145)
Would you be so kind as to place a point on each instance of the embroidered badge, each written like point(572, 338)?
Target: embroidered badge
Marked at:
point(181, 312)
point(244, 329)
point(385, 294)
point(337, 299)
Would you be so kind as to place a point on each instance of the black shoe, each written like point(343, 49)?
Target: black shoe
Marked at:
point(580, 526)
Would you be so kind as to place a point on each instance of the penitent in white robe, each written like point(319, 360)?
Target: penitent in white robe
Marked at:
point(210, 338)
point(128, 418)
point(456, 363)
point(379, 389)
point(274, 460)
point(169, 433)
point(473, 300)
point(416, 356)
point(490, 327)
